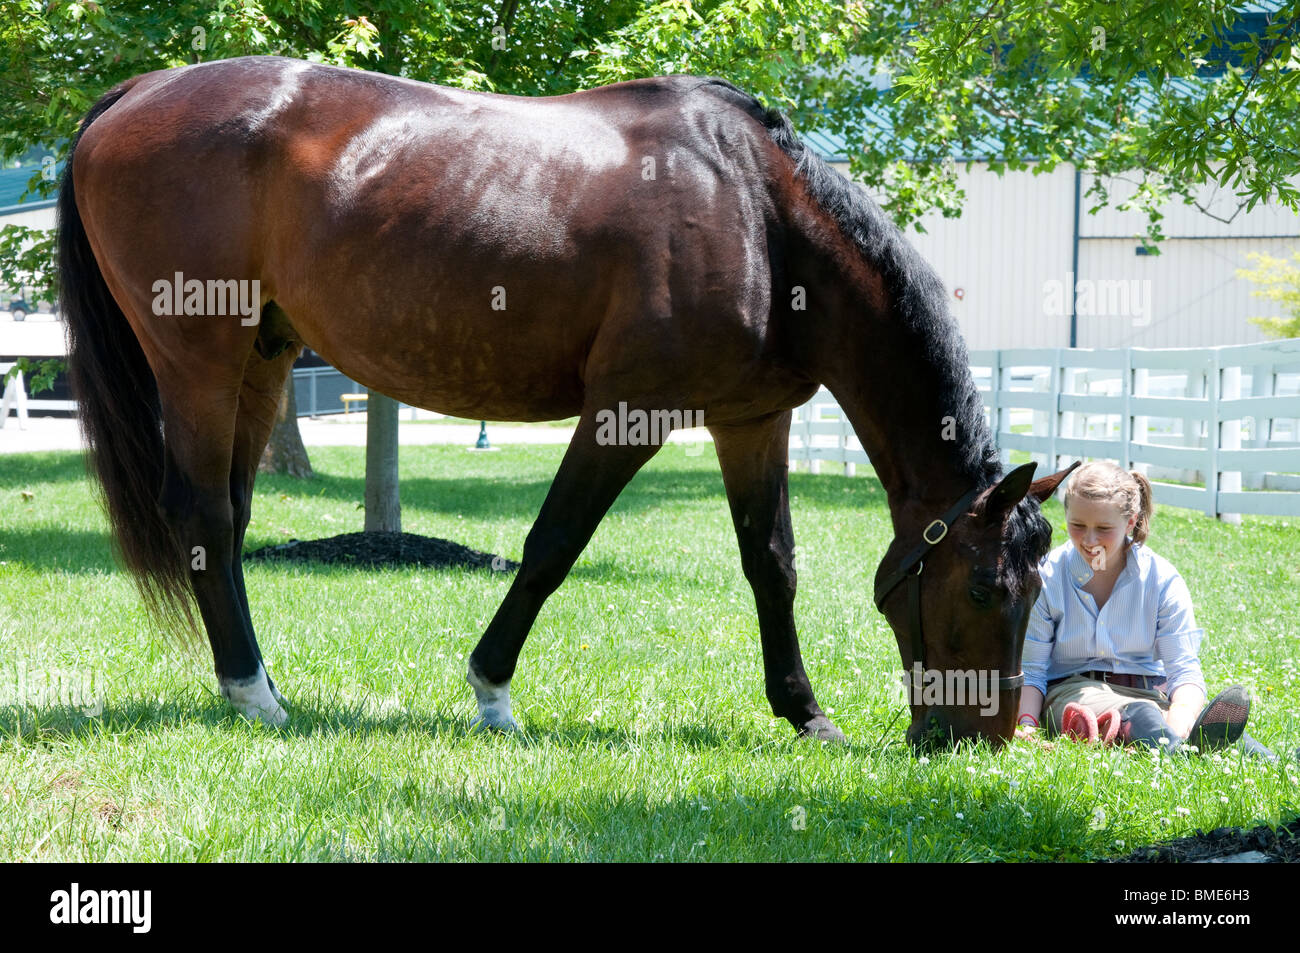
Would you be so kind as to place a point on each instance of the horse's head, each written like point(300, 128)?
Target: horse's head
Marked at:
point(968, 579)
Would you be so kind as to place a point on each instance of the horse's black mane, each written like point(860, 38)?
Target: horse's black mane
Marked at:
point(921, 302)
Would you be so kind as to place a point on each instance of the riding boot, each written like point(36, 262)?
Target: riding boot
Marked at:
point(1143, 723)
point(1253, 749)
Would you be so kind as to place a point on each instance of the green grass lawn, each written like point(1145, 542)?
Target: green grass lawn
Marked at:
point(647, 735)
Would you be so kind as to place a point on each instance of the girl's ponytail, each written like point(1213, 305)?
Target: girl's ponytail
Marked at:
point(1144, 509)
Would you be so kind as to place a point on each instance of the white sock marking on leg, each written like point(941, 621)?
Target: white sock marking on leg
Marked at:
point(252, 698)
point(493, 702)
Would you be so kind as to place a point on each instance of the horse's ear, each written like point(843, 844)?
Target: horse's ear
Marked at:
point(1042, 490)
point(1002, 499)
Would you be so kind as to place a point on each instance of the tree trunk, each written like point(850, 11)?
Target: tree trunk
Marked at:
point(383, 504)
point(285, 452)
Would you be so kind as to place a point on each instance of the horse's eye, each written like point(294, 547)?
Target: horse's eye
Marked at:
point(980, 596)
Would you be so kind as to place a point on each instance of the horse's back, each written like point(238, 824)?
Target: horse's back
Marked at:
point(496, 238)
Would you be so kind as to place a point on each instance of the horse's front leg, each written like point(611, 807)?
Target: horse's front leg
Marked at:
point(590, 478)
point(755, 467)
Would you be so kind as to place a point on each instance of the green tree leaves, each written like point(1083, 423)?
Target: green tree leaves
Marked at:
point(1171, 92)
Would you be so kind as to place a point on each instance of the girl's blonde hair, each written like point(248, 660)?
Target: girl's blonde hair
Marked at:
point(1128, 490)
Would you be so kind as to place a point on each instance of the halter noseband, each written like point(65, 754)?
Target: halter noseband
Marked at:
point(931, 536)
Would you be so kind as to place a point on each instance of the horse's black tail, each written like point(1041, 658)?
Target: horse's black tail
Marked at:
point(119, 411)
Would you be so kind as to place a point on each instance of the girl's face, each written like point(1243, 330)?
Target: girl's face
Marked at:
point(1097, 529)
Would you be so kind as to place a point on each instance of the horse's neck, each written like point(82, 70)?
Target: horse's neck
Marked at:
point(893, 412)
point(895, 387)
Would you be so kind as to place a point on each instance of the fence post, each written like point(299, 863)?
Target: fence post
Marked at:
point(15, 393)
point(1212, 436)
point(1054, 414)
point(1126, 415)
point(1069, 385)
point(1229, 434)
point(1141, 422)
point(1195, 388)
point(850, 468)
point(814, 417)
point(802, 430)
point(792, 461)
point(997, 411)
point(1263, 380)
point(993, 400)
point(1095, 425)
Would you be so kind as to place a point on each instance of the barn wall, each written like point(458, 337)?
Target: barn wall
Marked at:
point(1010, 255)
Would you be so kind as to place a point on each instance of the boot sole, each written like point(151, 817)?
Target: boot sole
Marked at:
point(1223, 720)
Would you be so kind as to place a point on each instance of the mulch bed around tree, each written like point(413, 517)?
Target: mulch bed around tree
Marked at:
point(383, 549)
point(1282, 846)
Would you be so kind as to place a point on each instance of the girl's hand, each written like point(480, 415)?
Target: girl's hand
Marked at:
point(1030, 733)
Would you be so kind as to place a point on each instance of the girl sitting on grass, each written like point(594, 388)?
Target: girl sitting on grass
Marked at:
point(1111, 648)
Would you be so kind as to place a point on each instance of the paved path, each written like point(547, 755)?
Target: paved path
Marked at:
point(338, 430)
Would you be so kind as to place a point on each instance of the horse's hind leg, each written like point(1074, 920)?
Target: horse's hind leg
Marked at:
point(755, 466)
point(259, 404)
point(589, 480)
point(200, 414)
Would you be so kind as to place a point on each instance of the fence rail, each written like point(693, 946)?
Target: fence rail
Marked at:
point(1186, 417)
point(13, 398)
point(320, 390)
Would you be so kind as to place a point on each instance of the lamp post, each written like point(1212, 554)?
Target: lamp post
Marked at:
point(482, 443)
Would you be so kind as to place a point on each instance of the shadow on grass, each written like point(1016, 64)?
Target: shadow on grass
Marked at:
point(492, 498)
point(43, 724)
point(73, 550)
point(56, 548)
point(636, 823)
point(21, 470)
point(604, 570)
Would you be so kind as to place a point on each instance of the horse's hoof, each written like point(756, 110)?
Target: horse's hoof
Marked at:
point(272, 714)
point(254, 699)
point(493, 703)
point(489, 719)
point(273, 718)
point(275, 693)
point(821, 729)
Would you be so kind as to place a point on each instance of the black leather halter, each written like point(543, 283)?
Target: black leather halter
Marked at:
point(930, 536)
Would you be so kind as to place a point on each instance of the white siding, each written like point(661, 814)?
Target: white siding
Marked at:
point(1014, 239)
point(1196, 298)
point(31, 218)
point(1187, 221)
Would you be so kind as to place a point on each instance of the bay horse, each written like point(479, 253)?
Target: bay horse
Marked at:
point(668, 244)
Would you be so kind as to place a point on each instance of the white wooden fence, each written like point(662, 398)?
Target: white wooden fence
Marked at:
point(1225, 419)
point(13, 398)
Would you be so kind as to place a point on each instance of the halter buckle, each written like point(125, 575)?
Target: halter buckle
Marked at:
point(943, 531)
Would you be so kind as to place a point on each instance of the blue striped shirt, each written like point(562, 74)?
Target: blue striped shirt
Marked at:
point(1146, 626)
